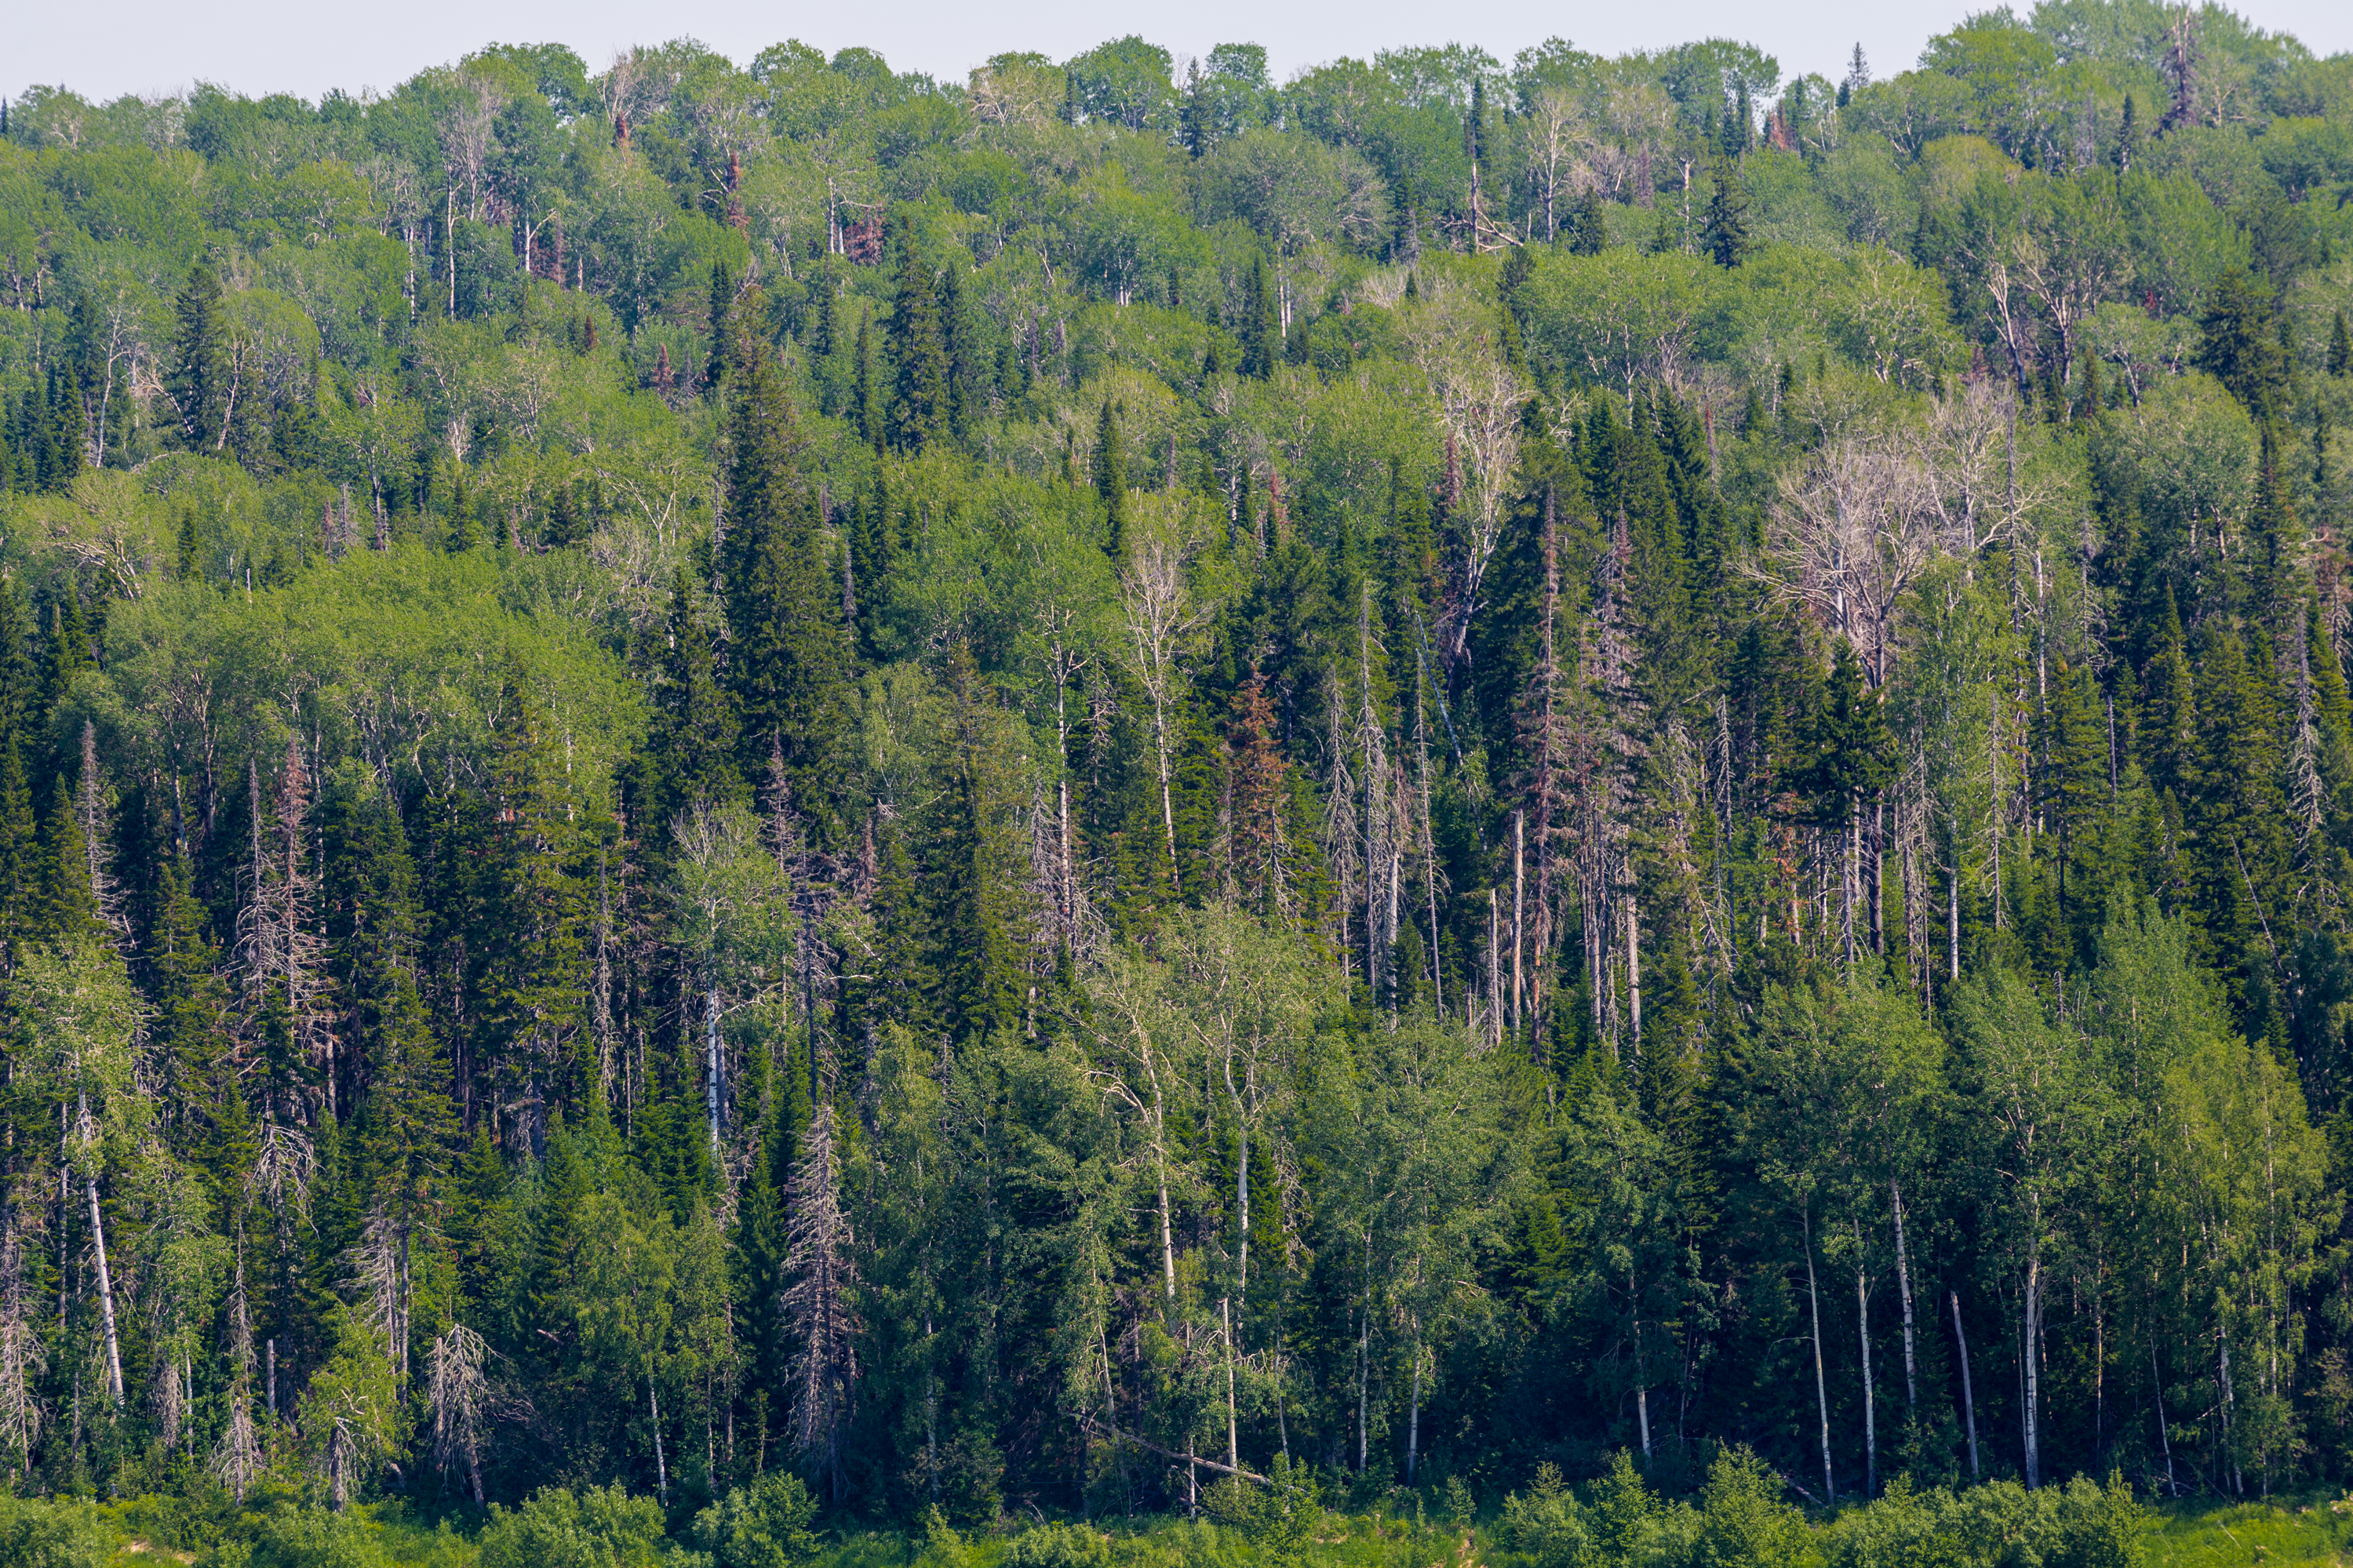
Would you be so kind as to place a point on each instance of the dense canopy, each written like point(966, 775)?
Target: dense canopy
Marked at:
point(822, 795)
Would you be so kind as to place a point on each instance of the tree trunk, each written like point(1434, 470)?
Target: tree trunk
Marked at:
point(1903, 1291)
point(1968, 1397)
point(661, 1470)
point(1822, 1389)
point(1413, 1419)
point(1634, 967)
point(105, 1298)
point(712, 1063)
point(2029, 1332)
point(1870, 1408)
point(1233, 1426)
point(1519, 887)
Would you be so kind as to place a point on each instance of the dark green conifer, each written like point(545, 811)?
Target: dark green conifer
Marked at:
point(1109, 476)
point(920, 410)
point(203, 375)
point(1725, 234)
point(789, 653)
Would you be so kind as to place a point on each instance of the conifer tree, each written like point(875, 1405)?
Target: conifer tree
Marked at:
point(2239, 342)
point(974, 887)
point(788, 652)
point(203, 380)
point(691, 750)
point(822, 1271)
point(1111, 481)
point(2340, 348)
point(1261, 332)
point(2168, 727)
point(1725, 234)
point(920, 399)
point(721, 328)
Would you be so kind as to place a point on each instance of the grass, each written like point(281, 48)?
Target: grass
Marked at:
point(2286, 1532)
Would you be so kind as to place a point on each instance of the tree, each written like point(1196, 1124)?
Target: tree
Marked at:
point(1724, 232)
point(820, 1302)
point(788, 652)
point(922, 397)
point(1111, 481)
point(2239, 342)
point(203, 381)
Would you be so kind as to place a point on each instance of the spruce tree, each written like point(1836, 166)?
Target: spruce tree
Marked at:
point(721, 328)
point(2168, 732)
point(1262, 324)
point(975, 866)
point(2239, 343)
point(691, 750)
point(203, 376)
point(1588, 224)
point(789, 653)
point(1725, 234)
point(1110, 476)
point(920, 399)
point(2340, 348)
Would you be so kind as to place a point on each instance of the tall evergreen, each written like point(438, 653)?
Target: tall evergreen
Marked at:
point(202, 381)
point(788, 657)
point(1110, 478)
point(1724, 234)
point(1261, 325)
point(920, 398)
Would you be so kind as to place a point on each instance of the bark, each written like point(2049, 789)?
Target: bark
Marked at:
point(1968, 1397)
point(1822, 1389)
point(1903, 1290)
point(1413, 1419)
point(661, 1470)
point(105, 1297)
point(2030, 1336)
point(1870, 1406)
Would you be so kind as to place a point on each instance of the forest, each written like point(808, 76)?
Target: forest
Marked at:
point(752, 802)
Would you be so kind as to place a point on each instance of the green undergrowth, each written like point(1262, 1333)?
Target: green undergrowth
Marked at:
point(1546, 1525)
point(2276, 1534)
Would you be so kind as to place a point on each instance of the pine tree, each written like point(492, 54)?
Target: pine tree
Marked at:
point(2340, 348)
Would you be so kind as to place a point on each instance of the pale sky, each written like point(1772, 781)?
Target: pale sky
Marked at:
point(102, 48)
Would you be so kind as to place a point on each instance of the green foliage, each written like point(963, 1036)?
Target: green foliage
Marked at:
point(763, 1525)
point(603, 1528)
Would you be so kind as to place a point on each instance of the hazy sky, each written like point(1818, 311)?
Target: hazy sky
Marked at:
point(105, 47)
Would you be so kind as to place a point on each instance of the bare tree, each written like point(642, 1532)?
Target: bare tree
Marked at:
point(458, 1393)
point(1160, 612)
point(819, 1304)
point(22, 1357)
point(237, 1461)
